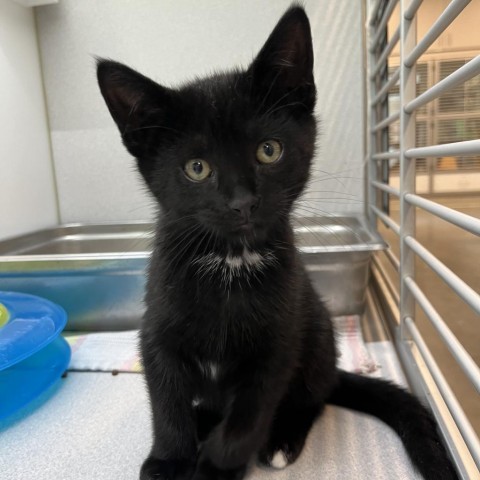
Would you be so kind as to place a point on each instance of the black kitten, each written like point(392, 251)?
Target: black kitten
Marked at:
point(238, 351)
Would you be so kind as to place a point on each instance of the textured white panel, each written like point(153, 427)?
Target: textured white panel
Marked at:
point(172, 41)
point(337, 182)
point(27, 194)
point(34, 3)
point(97, 178)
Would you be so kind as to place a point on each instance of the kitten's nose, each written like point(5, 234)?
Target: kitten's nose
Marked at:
point(244, 205)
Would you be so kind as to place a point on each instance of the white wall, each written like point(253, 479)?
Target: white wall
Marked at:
point(174, 40)
point(27, 192)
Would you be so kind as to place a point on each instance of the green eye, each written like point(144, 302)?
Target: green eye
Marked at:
point(197, 170)
point(269, 151)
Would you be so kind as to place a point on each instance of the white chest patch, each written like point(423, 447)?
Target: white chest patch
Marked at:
point(210, 369)
point(234, 266)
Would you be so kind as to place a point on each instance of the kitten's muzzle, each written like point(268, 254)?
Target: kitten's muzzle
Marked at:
point(243, 207)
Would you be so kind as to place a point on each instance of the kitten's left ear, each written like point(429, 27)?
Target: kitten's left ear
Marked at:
point(284, 66)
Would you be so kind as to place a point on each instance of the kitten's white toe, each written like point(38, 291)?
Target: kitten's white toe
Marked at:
point(279, 460)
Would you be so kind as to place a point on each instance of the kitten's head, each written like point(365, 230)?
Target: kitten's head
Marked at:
point(230, 152)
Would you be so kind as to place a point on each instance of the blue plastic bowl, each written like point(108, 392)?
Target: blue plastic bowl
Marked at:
point(33, 355)
point(33, 323)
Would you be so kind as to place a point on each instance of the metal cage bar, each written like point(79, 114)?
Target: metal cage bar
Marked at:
point(382, 24)
point(467, 222)
point(374, 13)
point(386, 155)
point(393, 259)
point(386, 188)
point(411, 10)
point(420, 366)
point(386, 52)
point(387, 86)
point(464, 291)
point(463, 74)
point(408, 33)
point(469, 147)
point(395, 227)
point(442, 22)
point(386, 121)
point(456, 410)
point(463, 358)
point(387, 280)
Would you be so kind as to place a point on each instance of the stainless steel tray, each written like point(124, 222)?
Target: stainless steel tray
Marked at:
point(97, 272)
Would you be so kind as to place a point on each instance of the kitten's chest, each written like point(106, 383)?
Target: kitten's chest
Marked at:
point(235, 302)
point(232, 271)
point(238, 291)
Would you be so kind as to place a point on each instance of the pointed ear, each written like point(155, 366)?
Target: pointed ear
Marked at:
point(284, 66)
point(134, 101)
point(125, 92)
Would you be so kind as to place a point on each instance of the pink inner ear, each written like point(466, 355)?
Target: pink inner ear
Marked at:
point(295, 53)
point(123, 103)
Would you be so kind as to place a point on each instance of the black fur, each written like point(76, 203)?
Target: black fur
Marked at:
point(253, 343)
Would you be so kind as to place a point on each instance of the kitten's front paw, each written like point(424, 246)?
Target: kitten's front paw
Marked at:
point(278, 459)
point(156, 469)
point(279, 454)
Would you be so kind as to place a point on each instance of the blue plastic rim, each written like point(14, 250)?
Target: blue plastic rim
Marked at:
point(31, 324)
point(26, 380)
point(33, 354)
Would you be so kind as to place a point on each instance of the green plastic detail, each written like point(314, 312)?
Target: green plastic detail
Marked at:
point(4, 315)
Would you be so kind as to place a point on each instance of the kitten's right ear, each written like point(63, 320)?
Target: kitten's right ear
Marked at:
point(132, 99)
point(283, 69)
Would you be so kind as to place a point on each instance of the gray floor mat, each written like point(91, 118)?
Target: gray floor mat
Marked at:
point(97, 426)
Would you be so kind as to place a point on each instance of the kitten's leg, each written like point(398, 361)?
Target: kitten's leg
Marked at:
point(207, 471)
point(174, 450)
point(207, 420)
point(304, 399)
point(244, 429)
point(290, 428)
point(308, 389)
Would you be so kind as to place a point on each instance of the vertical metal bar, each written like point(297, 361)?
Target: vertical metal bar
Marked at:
point(431, 163)
point(374, 13)
point(449, 415)
point(382, 24)
point(366, 108)
point(468, 434)
point(408, 29)
point(412, 9)
point(373, 147)
point(385, 166)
